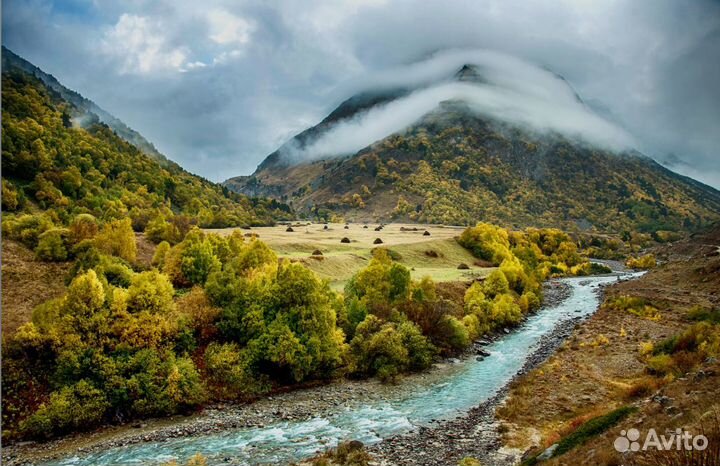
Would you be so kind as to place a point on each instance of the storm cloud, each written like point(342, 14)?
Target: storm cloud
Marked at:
point(218, 85)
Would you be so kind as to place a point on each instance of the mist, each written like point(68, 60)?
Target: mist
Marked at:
point(510, 90)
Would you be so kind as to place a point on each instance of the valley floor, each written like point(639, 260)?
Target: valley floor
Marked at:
point(437, 255)
point(591, 367)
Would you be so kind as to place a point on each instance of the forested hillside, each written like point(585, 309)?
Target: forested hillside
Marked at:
point(54, 170)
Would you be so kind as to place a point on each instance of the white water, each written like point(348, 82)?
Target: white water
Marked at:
point(473, 383)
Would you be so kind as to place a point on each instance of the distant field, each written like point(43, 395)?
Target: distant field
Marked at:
point(341, 260)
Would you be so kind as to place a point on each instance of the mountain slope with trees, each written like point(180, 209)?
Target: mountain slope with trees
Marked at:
point(455, 166)
point(60, 160)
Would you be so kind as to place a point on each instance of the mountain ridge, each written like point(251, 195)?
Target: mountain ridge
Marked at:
point(12, 60)
point(482, 169)
point(61, 158)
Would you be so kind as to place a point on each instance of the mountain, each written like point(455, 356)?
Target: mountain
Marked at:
point(63, 154)
point(456, 165)
point(88, 112)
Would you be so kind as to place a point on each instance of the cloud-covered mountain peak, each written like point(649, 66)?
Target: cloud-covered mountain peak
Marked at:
point(493, 86)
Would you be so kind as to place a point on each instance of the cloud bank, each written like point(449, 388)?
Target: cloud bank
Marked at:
point(510, 90)
point(218, 85)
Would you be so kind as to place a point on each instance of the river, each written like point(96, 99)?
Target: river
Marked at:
point(470, 383)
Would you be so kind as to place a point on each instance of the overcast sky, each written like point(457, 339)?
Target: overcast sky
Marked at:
point(217, 85)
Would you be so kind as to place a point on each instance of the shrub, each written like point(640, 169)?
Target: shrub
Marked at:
point(83, 227)
point(228, 370)
point(150, 291)
point(378, 349)
point(158, 259)
point(85, 296)
point(350, 453)
point(195, 460)
point(115, 272)
point(381, 282)
point(160, 229)
point(529, 301)
point(117, 238)
point(420, 351)
point(198, 261)
point(453, 333)
point(284, 314)
point(505, 311)
point(643, 262)
point(184, 387)
point(477, 305)
point(201, 312)
point(634, 305)
point(495, 284)
point(701, 313)
point(642, 387)
point(9, 196)
point(468, 461)
point(26, 228)
point(590, 268)
point(77, 407)
point(662, 364)
point(51, 245)
point(253, 255)
point(486, 242)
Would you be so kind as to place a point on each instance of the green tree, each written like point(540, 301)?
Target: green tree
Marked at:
point(51, 245)
point(118, 239)
point(496, 284)
point(77, 407)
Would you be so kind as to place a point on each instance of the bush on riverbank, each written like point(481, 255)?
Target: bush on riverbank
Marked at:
point(525, 259)
point(642, 262)
point(678, 354)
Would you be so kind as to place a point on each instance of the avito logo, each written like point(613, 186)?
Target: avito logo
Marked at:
point(678, 440)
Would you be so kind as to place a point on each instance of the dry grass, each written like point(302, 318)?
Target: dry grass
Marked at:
point(437, 255)
point(145, 250)
point(26, 283)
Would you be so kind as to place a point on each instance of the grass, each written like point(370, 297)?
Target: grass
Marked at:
point(588, 430)
point(436, 256)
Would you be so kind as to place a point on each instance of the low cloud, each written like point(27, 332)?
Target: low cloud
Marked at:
point(510, 90)
point(138, 44)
